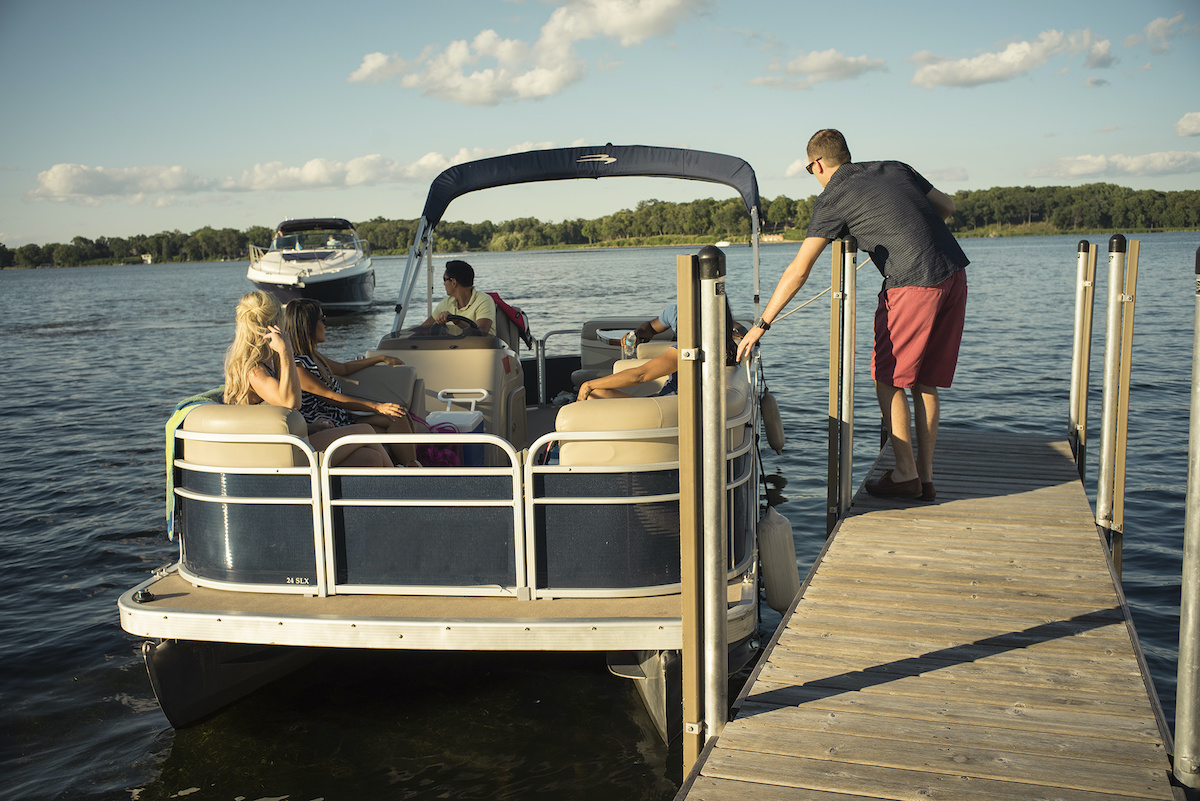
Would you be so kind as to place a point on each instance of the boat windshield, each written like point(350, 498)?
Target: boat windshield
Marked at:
point(313, 240)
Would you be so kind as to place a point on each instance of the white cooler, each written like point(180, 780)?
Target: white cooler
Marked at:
point(464, 422)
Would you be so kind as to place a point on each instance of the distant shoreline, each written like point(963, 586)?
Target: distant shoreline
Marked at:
point(1015, 231)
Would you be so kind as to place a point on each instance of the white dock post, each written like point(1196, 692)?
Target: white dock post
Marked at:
point(1081, 352)
point(711, 302)
point(846, 447)
point(1187, 693)
point(1118, 343)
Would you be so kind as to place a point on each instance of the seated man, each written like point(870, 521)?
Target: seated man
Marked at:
point(463, 299)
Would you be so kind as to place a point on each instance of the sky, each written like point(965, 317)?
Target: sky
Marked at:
point(124, 117)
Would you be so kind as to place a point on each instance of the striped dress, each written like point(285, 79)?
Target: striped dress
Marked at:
point(314, 407)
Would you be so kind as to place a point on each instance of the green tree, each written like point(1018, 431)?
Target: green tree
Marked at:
point(780, 212)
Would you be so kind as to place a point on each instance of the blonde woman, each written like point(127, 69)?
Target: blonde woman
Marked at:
point(323, 404)
point(260, 368)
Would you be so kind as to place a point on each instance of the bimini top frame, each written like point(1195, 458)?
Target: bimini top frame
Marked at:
point(576, 162)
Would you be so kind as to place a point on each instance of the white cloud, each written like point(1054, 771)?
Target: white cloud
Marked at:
point(160, 186)
point(92, 185)
point(796, 168)
point(489, 69)
point(1016, 58)
point(1160, 32)
point(1100, 56)
point(1189, 124)
point(1095, 83)
point(808, 69)
point(1164, 163)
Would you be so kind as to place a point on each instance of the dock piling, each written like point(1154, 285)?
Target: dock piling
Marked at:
point(1187, 692)
point(1118, 345)
point(1085, 292)
point(843, 296)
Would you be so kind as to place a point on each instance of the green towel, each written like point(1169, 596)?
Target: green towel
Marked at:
point(177, 417)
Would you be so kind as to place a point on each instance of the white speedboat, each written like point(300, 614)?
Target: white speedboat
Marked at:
point(320, 258)
point(542, 529)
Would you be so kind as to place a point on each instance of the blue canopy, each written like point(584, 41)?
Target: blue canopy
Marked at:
point(590, 162)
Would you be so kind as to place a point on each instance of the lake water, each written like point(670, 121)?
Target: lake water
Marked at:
point(101, 355)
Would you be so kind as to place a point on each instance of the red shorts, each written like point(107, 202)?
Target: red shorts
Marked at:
point(917, 333)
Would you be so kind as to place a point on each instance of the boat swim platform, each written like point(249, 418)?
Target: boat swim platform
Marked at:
point(975, 647)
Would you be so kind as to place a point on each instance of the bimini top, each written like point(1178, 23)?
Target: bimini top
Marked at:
point(316, 224)
point(590, 162)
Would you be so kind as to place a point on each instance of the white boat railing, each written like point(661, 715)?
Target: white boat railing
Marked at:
point(323, 258)
point(228, 496)
point(462, 531)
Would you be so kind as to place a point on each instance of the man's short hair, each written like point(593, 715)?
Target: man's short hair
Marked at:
point(830, 146)
point(461, 272)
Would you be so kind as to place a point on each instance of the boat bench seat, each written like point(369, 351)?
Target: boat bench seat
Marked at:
point(385, 383)
point(379, 383)
point(262, 418)
point(637, 413)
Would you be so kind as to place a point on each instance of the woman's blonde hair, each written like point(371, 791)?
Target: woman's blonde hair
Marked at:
point(256, 312)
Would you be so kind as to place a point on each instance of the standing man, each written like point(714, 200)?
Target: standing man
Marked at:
point(463, 299)
point(899, 218)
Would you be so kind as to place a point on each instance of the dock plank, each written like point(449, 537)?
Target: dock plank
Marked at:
point(971, 648)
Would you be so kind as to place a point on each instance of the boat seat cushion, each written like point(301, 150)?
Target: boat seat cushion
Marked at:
point(219, 418)
point(385, 383)
point(630, 414)
point(655, 347)
point(620, 414)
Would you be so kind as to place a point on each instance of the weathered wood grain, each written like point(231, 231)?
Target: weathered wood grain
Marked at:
point(970, 648)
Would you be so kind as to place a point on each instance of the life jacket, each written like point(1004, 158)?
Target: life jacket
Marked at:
point(517, 316)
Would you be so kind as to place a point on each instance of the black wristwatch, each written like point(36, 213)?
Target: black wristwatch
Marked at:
point(763, 324)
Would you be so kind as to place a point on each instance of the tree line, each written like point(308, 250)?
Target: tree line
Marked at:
point(999, 210)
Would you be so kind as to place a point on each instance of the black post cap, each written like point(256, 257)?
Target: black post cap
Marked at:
point(711, 262)
point(1083, 246)
point(1116, 244)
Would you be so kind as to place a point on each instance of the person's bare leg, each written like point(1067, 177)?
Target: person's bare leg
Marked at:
point(893, 405)
point(927, 410)
point(366, 455)
point(404, 453)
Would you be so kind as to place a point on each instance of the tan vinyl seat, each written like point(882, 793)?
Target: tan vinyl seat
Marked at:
point(385, 383)
point(219, 418)
point(630, 414)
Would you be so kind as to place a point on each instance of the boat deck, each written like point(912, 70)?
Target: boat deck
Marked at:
point(975, 647)
point(183, 611)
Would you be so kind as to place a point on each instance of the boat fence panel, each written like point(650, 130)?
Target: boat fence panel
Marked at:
point(429, 530)
point(250, 528)
point(606, 530)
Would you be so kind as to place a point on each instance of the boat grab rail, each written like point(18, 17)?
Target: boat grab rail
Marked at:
point(541, 359)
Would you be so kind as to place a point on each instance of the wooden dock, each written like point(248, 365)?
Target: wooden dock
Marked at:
point(975, 647)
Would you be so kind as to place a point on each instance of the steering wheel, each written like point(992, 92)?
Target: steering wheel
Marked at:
point(460, 320)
